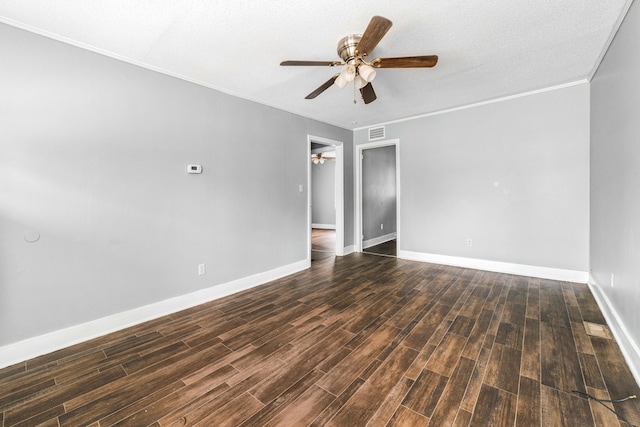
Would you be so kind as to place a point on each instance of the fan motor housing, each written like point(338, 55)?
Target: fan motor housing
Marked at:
point(347, 47)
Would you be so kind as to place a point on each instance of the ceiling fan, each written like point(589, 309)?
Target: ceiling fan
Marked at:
point(354, 50)
point(321, 157)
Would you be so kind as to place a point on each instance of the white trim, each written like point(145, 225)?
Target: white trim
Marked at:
point(378, 240)
point(349, 249)
point(339, 203)
point(575, 276)
point(606, 46)
point(161, 70)
point(358, 149)
point(324, 226)
point(43, 344)
point(141, 64)
point(624, 339)
point(478, 104)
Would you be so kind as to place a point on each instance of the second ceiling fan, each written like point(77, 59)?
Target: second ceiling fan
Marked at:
point(354, 50)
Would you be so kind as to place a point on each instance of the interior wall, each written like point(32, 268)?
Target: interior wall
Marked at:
point(378, 192)
point(615, 176)
point(512, 176)
point(97, 213)
point(323, 193)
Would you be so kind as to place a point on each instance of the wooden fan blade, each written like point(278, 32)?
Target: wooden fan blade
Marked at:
point(406, 62)
point(376, 29)
point(310, 63)
point(324, 86)
point(368, 94)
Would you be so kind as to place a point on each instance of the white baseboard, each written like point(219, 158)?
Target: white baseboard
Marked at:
point(349, 249)
point(499, 267)
point(377, 240)
point(628, 346)
point(43, 344)
point(324, 226)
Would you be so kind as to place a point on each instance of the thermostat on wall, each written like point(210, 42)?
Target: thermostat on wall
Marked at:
point(194, 169)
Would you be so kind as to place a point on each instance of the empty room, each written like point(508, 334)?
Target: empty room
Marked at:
point(319, 213)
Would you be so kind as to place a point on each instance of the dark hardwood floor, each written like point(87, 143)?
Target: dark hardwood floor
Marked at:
point(387, 249)
point(323, 244)
point(352, 341)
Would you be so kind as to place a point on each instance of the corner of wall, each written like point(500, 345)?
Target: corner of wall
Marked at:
point(628, 346)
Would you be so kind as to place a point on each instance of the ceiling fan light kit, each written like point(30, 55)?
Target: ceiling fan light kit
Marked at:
point(367, 72)
point(353, 49)
point(320, 157)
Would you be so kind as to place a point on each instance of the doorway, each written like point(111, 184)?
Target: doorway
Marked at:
point(326, 230)
point(378, 198)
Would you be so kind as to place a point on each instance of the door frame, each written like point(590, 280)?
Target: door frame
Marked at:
point(338, 192)
point(358, 172)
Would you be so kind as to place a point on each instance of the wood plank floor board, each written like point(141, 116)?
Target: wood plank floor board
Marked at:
point(365, 402)
point(127, 412)
point(387, 409)
point(47, 417)
point(559, 359)
point(616, 376)
point(553, 310)
point(583, 342)
point(421, 361)
point(348, 369)
point(447, 408)
point(304, 409)
point(101, 402)
point(510, 335)
point(533, 299)
point(503, 368)
point(355, 340)
point(41, 403)
point(275, 406)
point(462, 325)
point(144, 414)
point(445, 359)
point(463, 419)
point(564, 409)
point(601, 415)
point(588, 306)
point(591, 371)
point(475, 383)
point(477, 336)
point(290, 373)
point(528, 409)
point(424, 328)
point(230, 414)
point(476, 301)
point(531, 350)
point(406, 417)
point(496, 408)
point(425, 393)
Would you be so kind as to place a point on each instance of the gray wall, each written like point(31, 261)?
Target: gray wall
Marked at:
point(511, 175)
point(378, 191)
point(615, 173)
point(323, 193)
point(93, 156)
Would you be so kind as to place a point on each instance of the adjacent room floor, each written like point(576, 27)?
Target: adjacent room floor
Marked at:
point(323, 244)
point(387, 248)
point(352, 341)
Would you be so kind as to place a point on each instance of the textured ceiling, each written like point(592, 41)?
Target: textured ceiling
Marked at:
point(487, 49)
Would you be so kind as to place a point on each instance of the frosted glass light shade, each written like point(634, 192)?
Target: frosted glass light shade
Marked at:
point(367, 72)
point(348, 72)
point(340, 81)
point(359, 82)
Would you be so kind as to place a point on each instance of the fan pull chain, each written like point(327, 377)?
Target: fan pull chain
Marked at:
point(354, 92)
